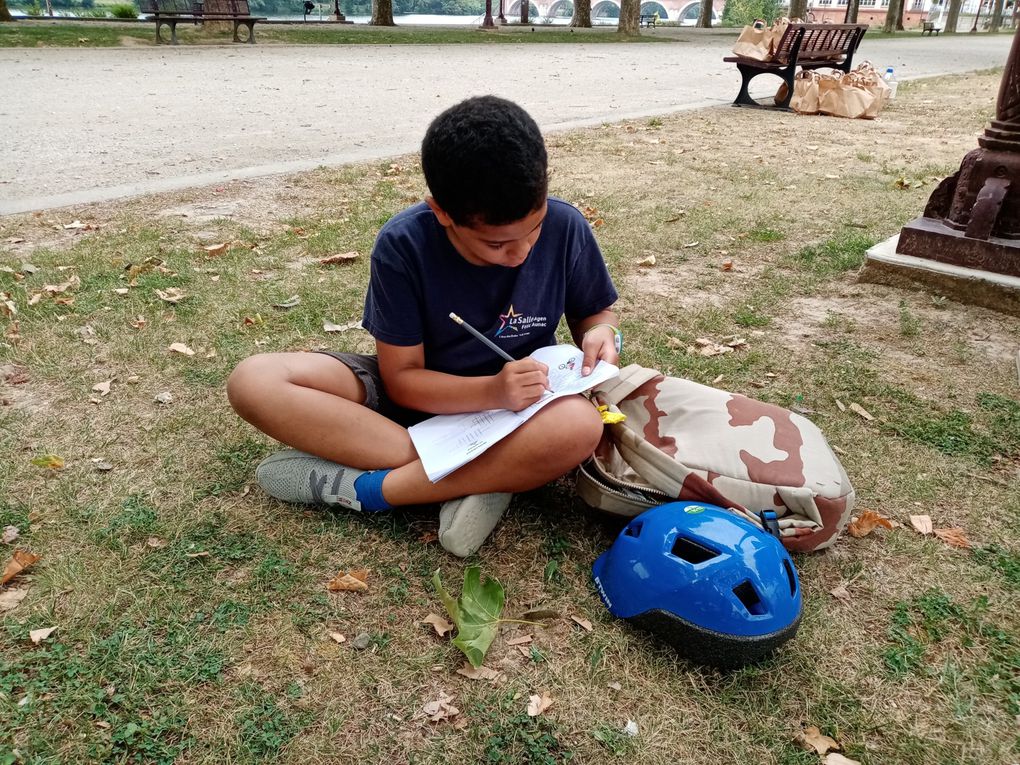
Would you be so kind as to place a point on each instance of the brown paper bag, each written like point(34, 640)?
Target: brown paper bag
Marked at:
point(755, 42)
point(776, 32)
point(845, 99)
point(805, 93)
point(868, 78)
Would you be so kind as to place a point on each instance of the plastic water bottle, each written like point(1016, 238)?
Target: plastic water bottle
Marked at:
point(890, 80)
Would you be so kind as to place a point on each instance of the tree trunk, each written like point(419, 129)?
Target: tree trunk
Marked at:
point(904, 7)
point(382, 13)
point(49, 9)
point(798, 9)
point(525, 7)
point(852, 6)
point(5, 15)
point(630, 10)
point(953, 17)
point(705, 15)
point(582, 14)
point(996, 20)
point(891, 14)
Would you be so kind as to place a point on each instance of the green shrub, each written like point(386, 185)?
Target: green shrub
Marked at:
point(124, 11)
point(737, 13)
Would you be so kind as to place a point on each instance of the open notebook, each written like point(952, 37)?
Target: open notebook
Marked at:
point(449, 441)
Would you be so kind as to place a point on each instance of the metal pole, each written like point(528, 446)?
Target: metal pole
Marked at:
point(487, 21)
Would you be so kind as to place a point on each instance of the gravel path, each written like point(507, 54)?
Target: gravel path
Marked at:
point(84, 125)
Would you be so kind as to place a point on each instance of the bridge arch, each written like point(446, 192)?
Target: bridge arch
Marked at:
point(689, 13)
point(515, 10)
point(561, 9)
point(648, 9)
point(605, 10)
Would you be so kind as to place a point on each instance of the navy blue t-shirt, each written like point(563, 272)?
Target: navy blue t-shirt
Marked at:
point(418, 278)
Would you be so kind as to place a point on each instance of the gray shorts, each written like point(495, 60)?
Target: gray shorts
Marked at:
point(366, 369)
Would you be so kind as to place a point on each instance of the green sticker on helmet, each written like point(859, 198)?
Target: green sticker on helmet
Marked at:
point(694, 509)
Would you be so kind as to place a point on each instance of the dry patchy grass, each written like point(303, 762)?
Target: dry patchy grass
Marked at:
point(193, 620)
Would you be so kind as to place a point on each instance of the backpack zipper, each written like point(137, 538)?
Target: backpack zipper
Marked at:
point(625, 490)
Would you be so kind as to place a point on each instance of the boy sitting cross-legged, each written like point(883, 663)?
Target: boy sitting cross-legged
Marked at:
point(488, 245)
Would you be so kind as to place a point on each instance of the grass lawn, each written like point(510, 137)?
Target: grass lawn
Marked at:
point(31, 34)
point(193, 623)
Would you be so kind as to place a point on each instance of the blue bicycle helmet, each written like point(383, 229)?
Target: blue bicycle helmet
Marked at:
point(712, 584)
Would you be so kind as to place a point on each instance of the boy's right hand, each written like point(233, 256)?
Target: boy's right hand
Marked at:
point(521, 383)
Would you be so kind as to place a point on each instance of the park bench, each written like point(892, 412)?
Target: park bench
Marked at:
point(236, 11)
point(929, 28)
point(647, 20)
point(170, 13)
point(809, 46)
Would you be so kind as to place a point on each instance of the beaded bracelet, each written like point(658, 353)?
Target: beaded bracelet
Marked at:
point(617, 335)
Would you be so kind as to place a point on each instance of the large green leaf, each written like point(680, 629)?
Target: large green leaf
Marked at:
point(475, 613)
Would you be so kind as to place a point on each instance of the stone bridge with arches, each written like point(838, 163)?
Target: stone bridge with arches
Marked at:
point(684, 12)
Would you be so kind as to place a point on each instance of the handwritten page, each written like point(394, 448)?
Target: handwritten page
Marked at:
point(449, 441)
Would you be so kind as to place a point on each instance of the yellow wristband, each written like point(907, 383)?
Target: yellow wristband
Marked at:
point(617, 335)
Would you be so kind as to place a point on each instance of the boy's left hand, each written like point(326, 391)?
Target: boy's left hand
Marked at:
point(598, 344)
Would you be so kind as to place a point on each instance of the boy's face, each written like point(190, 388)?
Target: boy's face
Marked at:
point(484, 245)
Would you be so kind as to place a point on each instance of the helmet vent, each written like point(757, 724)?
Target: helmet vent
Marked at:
point(691, 551)
point(634, 529)
point(791, 577)
point(747, 595)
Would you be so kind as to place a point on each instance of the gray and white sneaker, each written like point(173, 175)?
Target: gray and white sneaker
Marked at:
point(304, 479)
point(465, 523)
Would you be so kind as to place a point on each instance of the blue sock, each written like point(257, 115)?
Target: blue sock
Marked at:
point(368, 485)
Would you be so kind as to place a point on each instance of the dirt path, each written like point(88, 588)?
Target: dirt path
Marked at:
point(90, 125)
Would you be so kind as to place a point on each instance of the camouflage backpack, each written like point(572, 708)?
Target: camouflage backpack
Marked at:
point(686, 441)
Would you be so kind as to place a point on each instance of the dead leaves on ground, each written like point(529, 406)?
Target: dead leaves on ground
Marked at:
point(538, 704)
point(22, 560)
point(582, 623)
point(10, 598)
point(954, 537)
point(328, 326)
point(479, 673)
point(704, 346)
point(172, 295)
point(922, 524)
point(439, 624)
point(217, 249)
point(811, 739)
point(835, 758)
point(340, 259)
point(868, 520)
point(181, 348)
point(37, 636)
point(441, 708)
point(355, 580)
point(592, 214)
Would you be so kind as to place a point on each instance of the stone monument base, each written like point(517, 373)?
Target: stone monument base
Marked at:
point(884, 265)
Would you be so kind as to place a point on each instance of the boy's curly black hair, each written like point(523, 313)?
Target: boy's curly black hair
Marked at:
point(485, 162)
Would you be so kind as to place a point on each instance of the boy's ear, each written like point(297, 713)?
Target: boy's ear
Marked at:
point(444, 220)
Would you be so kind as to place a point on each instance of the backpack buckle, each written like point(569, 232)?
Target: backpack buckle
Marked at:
point(770, 522)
